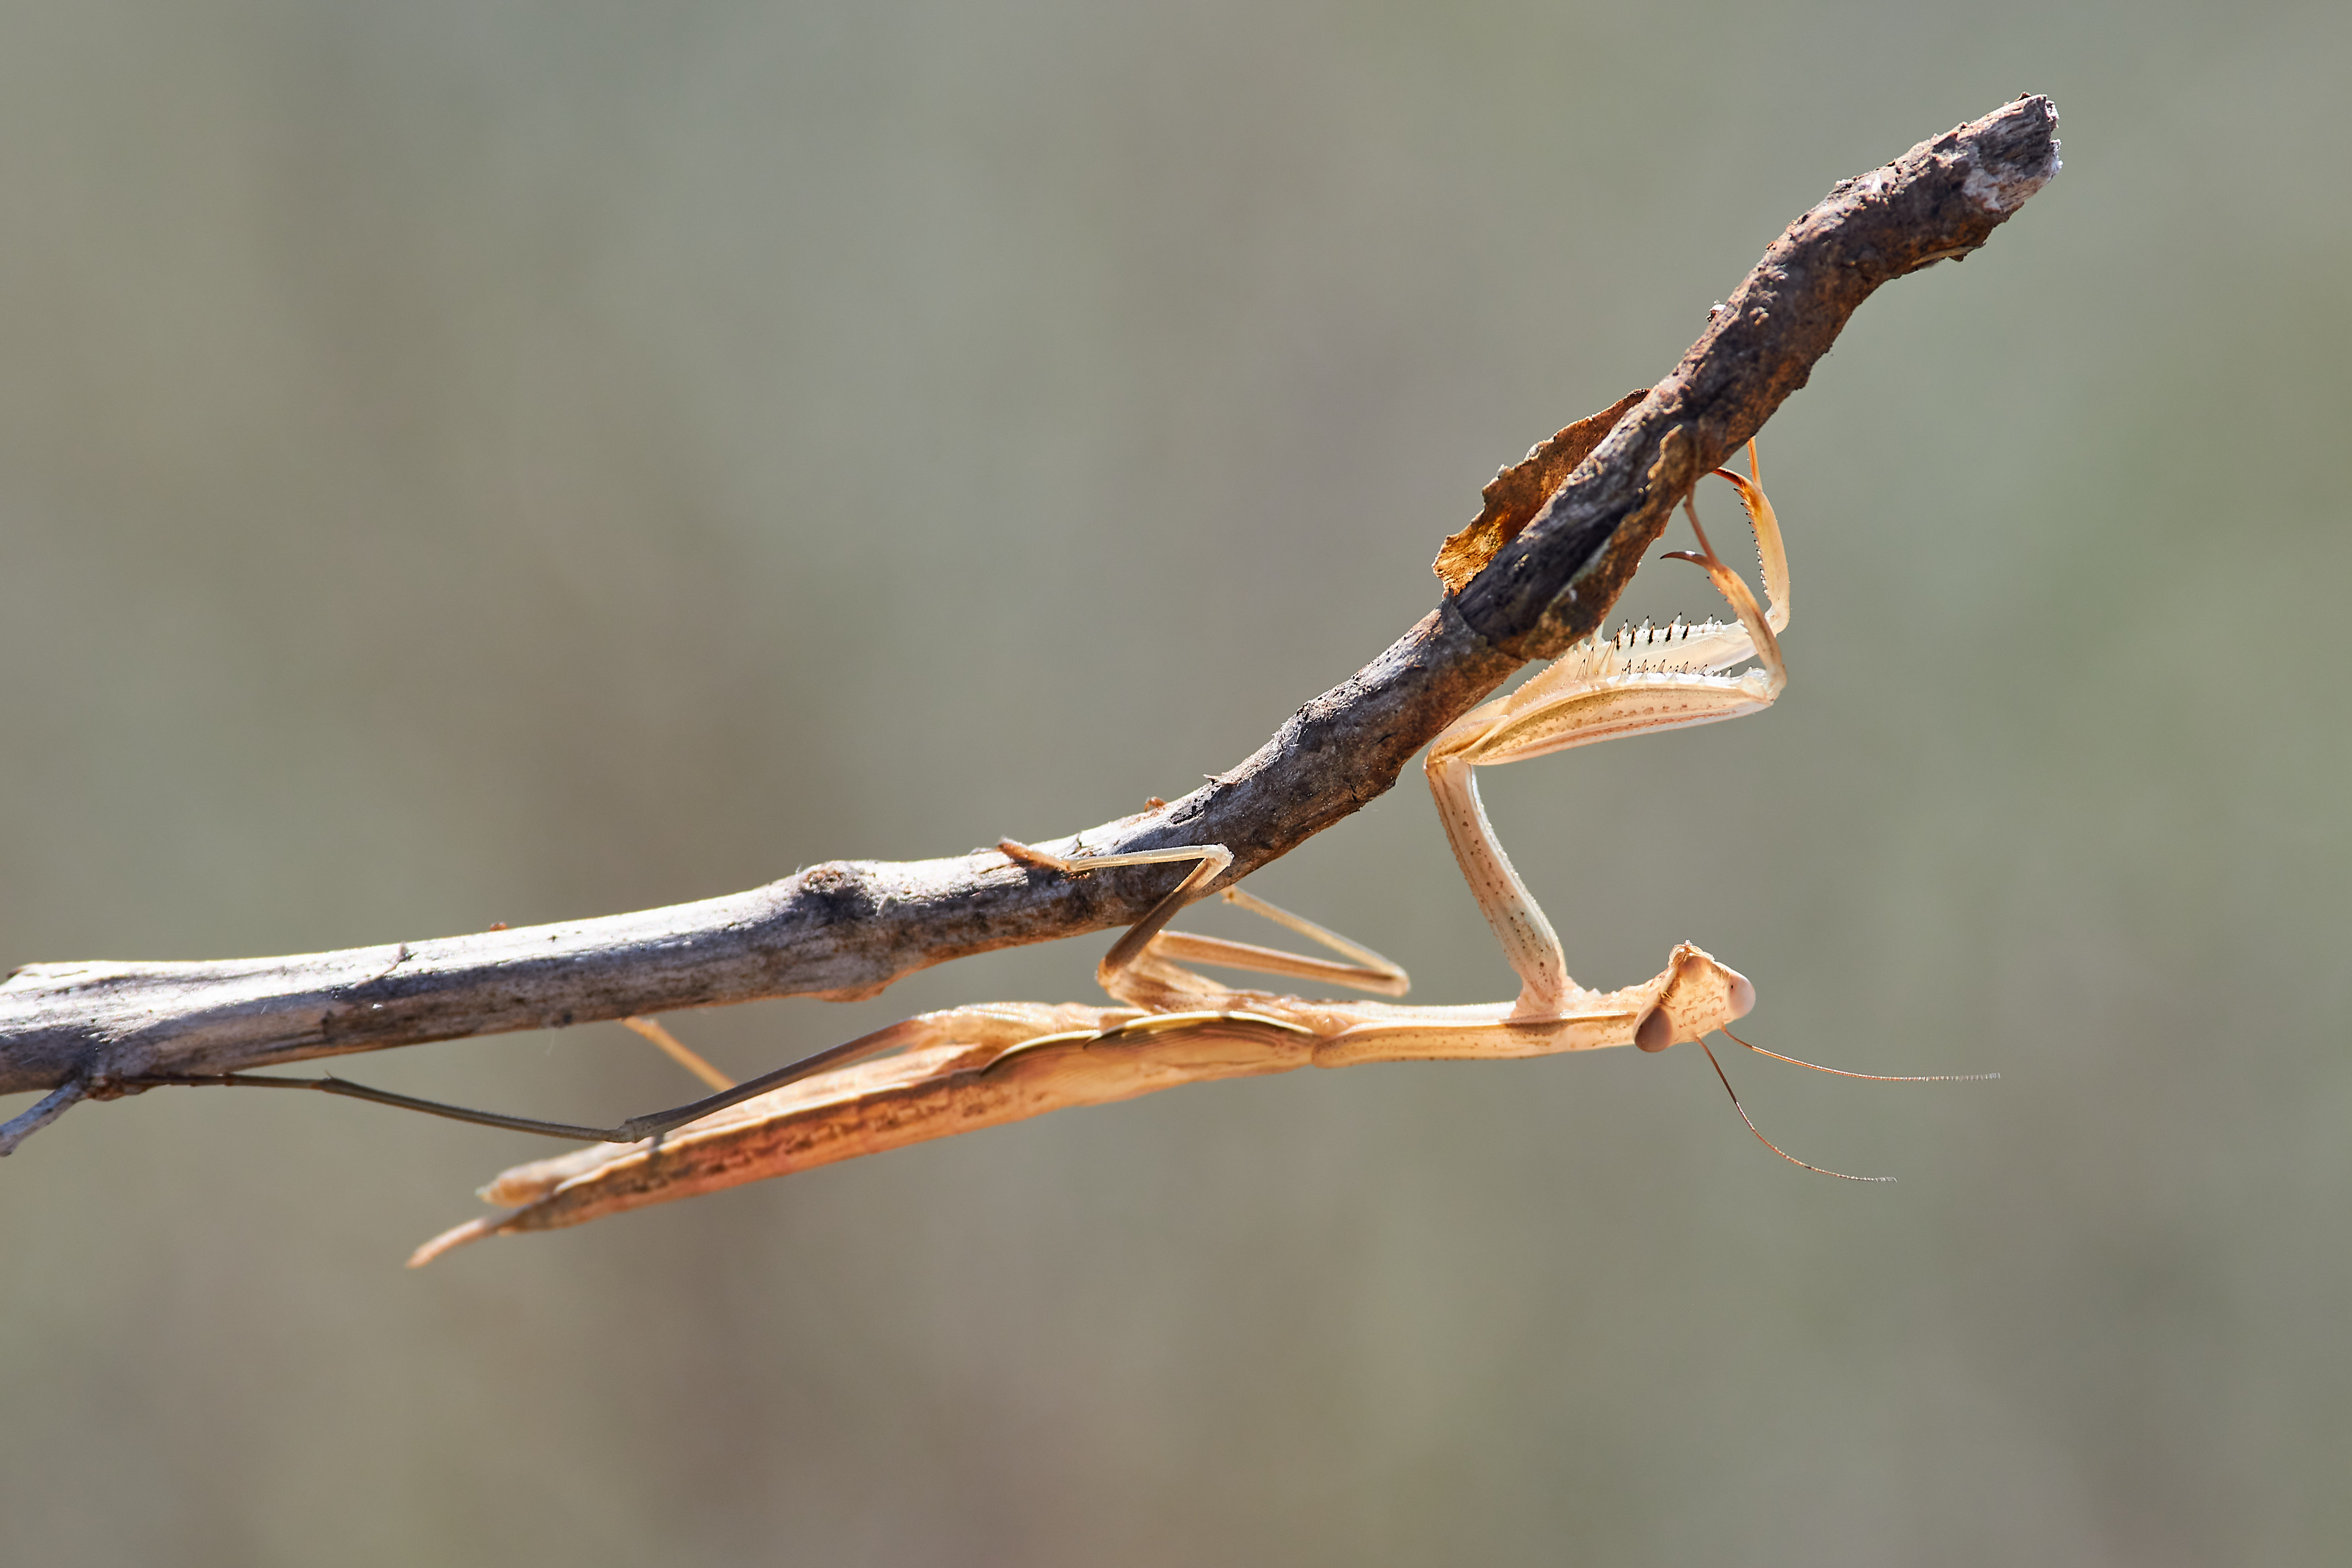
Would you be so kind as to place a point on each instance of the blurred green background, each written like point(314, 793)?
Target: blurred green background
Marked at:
point(477, 462)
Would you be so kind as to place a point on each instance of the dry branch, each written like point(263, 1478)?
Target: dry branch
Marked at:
point(848, 928)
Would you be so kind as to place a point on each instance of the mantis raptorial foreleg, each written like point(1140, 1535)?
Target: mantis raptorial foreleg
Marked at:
point(1601, 690)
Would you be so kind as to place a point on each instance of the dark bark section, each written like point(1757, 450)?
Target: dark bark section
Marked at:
point(848, 929)
point(1554, 583)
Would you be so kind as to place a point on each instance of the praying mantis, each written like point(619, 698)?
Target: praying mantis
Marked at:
point(986, 1064)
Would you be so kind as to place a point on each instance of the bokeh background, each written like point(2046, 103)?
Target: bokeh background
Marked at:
point(517, 461)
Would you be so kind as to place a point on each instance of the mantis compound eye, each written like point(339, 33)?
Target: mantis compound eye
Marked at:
point(1743, 994)
point(1655, 1032)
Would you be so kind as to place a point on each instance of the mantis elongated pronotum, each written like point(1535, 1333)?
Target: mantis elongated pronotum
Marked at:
point(979, 1066)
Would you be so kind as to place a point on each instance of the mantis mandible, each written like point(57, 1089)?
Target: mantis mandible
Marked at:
point(980, 1065)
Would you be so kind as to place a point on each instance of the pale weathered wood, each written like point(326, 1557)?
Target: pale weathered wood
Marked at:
point(850, 928)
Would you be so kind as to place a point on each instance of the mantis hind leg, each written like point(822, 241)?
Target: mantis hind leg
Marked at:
point(1367, 972)
point(677, 1050)
point(1147, 945)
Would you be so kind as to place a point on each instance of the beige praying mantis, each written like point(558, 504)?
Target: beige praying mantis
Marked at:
point(962, 1069)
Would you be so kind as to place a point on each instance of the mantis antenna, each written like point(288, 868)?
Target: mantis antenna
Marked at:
point(1874, 1077)
point(1718, 1066)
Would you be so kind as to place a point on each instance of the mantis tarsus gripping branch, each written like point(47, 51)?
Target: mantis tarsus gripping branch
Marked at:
point(979, 1066)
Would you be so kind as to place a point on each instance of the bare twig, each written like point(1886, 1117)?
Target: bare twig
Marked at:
point(848, 928)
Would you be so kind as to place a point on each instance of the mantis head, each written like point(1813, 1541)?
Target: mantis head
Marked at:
point(1700, 997)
